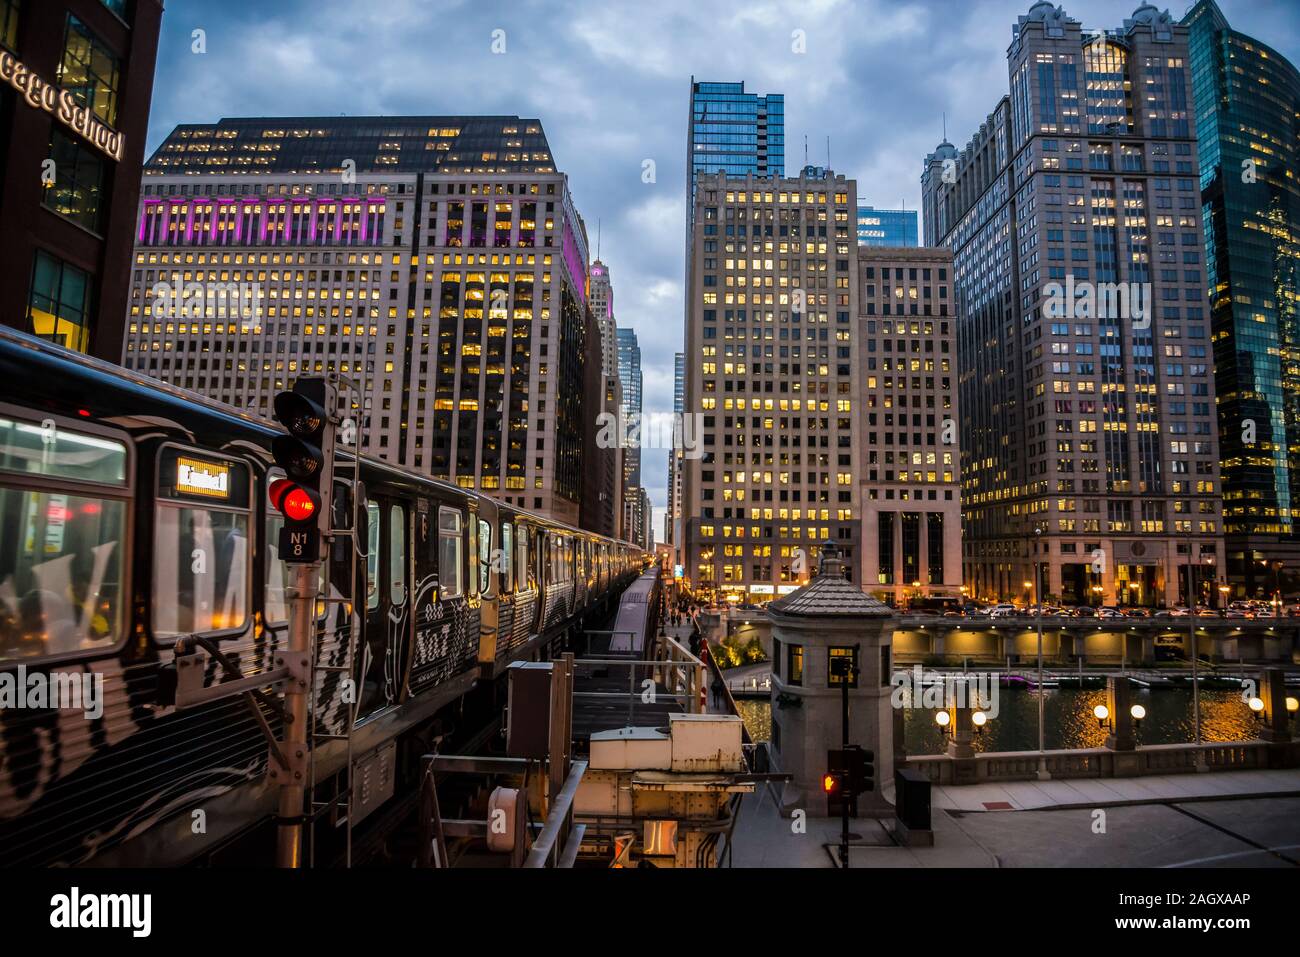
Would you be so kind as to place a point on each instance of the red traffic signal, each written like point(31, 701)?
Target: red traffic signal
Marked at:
point(293, 501)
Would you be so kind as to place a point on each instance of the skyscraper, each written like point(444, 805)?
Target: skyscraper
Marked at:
point(1247, 99)
point(907, 440)
point(886, 227)
point(629, 375)
point(65, 250)
point(602, 310)
point(437, 261)
point(672, 520)
point(772, 368)
point(610, 493)
point(733, 132)
point(1086, 393)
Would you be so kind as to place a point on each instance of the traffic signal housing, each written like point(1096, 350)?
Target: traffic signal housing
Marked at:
point(849, 772)
point(306, 454)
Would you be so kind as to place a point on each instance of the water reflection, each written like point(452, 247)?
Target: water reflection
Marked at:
point(1068, 720)
point(757, 715)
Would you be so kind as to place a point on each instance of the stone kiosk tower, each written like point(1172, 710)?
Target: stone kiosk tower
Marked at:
point(830, 617)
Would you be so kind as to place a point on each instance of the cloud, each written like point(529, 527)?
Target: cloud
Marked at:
point(609, 80)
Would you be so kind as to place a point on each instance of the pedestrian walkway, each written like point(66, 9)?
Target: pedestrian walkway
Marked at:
point(1230, 818)
point(1114, 792)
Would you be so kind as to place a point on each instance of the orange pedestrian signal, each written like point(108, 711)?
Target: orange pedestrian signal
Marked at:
point(828, 783)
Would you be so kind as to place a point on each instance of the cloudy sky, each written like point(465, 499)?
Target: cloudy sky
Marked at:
point(609, 80)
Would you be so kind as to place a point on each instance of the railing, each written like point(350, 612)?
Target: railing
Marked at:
point(684, 674)
point(1101, 762)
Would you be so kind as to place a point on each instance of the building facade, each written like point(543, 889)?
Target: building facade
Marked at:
point(887, 227)
point(602, 309)
point(673, 517)
point(909, 471)
point(70, 164)
point(1088, 427)
point(772, 367)
point(1247, 101)
point(629, 375)
point(438, 262)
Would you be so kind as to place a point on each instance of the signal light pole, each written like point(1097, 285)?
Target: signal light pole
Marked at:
point(306, 454)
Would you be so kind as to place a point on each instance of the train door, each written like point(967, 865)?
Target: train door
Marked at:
point(388, 605)
point(488, 579)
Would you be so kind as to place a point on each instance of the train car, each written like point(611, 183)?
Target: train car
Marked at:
point(134, 516)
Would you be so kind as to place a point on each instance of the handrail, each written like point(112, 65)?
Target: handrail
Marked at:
point(558, 821)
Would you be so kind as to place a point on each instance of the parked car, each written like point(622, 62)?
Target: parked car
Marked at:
point(1109, 611)
point(1002, 611)
point(1137, 612)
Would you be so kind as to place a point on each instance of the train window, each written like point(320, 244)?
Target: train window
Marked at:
point(397, 555)
point(484, 556)
point(372, 555)
point(201, 544)
point(60, 572)
point(450, 543)
point(525, 572)
point(51, 450)
point(505, 561)
point(62, 565)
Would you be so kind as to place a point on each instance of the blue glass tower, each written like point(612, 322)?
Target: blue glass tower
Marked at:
point(733, 132)
point(886, 227)
point(1247, 99)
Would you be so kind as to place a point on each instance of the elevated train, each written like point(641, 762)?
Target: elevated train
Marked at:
point(134, 515)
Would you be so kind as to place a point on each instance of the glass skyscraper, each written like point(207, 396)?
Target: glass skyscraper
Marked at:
point(629, 374)
point(1247, 101)
point(733, 132)
point(886, 227)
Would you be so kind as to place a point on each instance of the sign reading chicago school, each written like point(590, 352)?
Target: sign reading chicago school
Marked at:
point(61, 104)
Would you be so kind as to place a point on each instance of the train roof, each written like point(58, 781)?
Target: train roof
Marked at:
point(36, 369)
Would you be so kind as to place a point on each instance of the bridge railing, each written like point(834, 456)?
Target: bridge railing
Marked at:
point(993, 766)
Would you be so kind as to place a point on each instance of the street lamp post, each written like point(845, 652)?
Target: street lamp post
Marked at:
point(1038, 602)
point(1196, 657)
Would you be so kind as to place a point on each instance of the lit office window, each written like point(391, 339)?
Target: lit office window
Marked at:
point(9, 22)
point(77, 190)
point(58, 309)
point(90, 70)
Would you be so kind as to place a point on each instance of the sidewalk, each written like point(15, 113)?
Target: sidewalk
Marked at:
point(1114, 792)
point(1148, 826)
